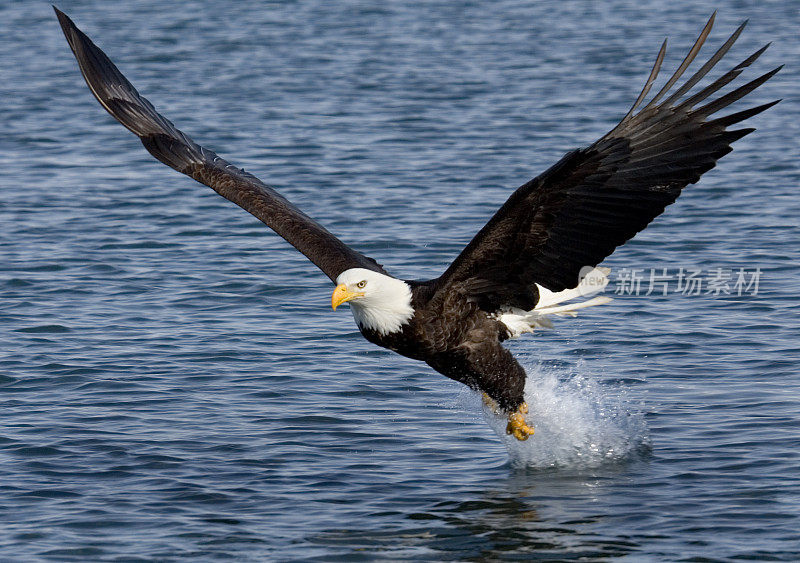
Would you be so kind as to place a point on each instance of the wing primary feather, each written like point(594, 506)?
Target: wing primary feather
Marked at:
point(686, 62)
point(729, 120)
point(711, 63)
point(686, 105)
point(722, 81)
point(730, 97)
point(649, 84)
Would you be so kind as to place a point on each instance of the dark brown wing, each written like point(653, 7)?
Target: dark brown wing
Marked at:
point(175, 149)
point(595, 199)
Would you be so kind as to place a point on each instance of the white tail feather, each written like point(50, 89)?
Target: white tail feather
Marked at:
point(593, 282)
point(569, 310)
point(520, 322)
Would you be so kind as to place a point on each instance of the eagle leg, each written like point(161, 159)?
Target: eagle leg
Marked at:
point(501, 380)
point(490, 403)
point(517, 426)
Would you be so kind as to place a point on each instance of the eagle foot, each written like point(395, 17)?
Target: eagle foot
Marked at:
point(516, 424)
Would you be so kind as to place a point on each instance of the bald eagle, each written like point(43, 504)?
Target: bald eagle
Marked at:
point(525, 262)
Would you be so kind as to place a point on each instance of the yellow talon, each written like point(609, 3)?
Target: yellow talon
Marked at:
point(516, 424)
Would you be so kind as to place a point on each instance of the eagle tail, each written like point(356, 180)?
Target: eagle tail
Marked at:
point(551, 303)
point(569, 310)
point(593, 280)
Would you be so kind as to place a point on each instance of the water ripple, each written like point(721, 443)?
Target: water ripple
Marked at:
point(174, 385)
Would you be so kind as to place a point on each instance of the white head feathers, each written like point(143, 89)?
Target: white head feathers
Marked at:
point(384, 303)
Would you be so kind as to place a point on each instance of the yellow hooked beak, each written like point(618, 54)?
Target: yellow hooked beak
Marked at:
point(342, 295)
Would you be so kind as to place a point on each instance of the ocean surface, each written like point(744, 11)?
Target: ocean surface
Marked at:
point(174, 385)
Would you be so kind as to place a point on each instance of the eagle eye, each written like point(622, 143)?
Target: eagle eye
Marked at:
point(361, 284)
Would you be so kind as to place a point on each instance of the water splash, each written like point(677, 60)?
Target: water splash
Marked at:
point(579, 423)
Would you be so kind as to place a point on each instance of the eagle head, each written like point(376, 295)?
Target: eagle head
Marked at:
point(379, 302)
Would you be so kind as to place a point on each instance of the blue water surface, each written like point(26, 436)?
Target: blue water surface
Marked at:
point(174, 385)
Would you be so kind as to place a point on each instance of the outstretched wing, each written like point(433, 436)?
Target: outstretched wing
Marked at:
point(595, 199)
point(175, 149)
